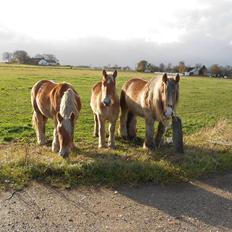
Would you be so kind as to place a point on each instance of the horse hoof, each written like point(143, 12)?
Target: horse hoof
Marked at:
point(101, 146)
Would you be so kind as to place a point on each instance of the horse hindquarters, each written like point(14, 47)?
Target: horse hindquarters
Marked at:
point(39, 121)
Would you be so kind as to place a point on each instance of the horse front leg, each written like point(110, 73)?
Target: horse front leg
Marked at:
point(149, 137)
point(111, 141)
point(101, 132)
point(55, 142)
point(160, 133)
point(39, 122)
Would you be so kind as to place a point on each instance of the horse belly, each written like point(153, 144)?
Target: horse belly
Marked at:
point(135, 107)
point(44, 107)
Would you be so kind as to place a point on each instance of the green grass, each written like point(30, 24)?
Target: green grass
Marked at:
point(203, 102)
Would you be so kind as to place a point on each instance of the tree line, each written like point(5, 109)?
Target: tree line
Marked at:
point(213, 70)
point(22, 57)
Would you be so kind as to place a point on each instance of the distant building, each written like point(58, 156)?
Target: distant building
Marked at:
point(48, 62)
point(196, 71)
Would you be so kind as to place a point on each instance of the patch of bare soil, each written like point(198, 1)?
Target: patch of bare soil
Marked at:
point(198, 206)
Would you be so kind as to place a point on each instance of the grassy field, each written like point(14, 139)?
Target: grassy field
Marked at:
point(205, 108)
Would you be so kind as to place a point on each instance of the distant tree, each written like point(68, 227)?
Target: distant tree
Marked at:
point(169, 67)
point(6, 56)
point(142, 66)
point(50, 57)
point(175, 69)
point(216, 70)
point(181, 67)
point(21, 57)
point(162, 67)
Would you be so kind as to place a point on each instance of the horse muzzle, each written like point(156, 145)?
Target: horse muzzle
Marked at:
point(107, 102)
point(169, 111)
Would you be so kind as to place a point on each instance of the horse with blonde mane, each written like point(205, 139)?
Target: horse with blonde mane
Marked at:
point(154, 100)
point(105, 106)
point(60, 102)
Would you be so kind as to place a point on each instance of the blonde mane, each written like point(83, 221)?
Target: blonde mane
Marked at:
point(68, 103)
point(153, 97)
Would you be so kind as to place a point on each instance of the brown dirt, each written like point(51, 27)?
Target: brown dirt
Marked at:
point(204, 205)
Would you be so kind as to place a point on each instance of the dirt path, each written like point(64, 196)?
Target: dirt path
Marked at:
point(200, 206)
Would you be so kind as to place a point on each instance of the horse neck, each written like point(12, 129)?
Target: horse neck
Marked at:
point(67, 104)
point(155, 98)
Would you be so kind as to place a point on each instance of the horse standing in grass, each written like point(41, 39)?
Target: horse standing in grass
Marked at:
point(154, 100)
point(60, 102)
point(105, 106)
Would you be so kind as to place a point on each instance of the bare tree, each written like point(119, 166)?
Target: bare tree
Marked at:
point(7, 57)
point(181, 67)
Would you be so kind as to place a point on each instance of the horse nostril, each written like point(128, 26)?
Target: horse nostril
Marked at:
point(107, 101)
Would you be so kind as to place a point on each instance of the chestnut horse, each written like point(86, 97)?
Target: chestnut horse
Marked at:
point(60, 102)
point(154, 100)
point(105, 106)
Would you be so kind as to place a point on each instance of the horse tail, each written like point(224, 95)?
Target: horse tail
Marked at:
point(123, 104)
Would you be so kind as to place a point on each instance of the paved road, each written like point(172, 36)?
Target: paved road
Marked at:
point(204, 205)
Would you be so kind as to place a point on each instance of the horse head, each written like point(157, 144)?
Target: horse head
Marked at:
point(169, 94)
point(65, 130)
point(108, 87)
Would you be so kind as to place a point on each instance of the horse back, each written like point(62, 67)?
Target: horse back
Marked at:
point(132, 89)
point(132, 95)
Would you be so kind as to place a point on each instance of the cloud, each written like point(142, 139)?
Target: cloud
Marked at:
point(197, 32)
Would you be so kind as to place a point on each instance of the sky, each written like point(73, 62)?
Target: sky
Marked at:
point(122, 32)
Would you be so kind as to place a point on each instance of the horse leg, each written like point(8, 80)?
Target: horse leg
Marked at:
point(55, 142)
point(131, 125)
point(160, 133)
point(149, 140)
point(95, 131)
point(111, 140)
point(101, 132)
point(123, 123)
point(39, 122)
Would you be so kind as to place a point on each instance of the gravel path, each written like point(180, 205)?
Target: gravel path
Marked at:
point(204, 205)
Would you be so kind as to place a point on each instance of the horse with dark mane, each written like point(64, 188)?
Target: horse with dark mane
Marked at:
point(105, 106)
point(154, 100)
point(60, 102)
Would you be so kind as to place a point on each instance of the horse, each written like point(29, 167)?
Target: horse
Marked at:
point(154, 100)
point(60, 102)
point(105, 106)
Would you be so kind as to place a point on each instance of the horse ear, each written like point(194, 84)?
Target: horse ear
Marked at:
point(115, 74)
point(104, 73)
point(72, 116)
point(177, 78)
point(59, 117)
point(165, 78)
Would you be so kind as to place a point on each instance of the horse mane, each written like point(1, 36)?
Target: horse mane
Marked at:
point(68, 103)
point(153, 97)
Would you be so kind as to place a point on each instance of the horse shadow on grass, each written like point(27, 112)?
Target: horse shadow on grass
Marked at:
point(207, 200)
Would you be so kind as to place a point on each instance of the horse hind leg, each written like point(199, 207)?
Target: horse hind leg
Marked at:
point(131, 125)
point(95, 130)
point(39, 122)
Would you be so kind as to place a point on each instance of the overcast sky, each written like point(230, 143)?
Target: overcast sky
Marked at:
point(119, 32)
